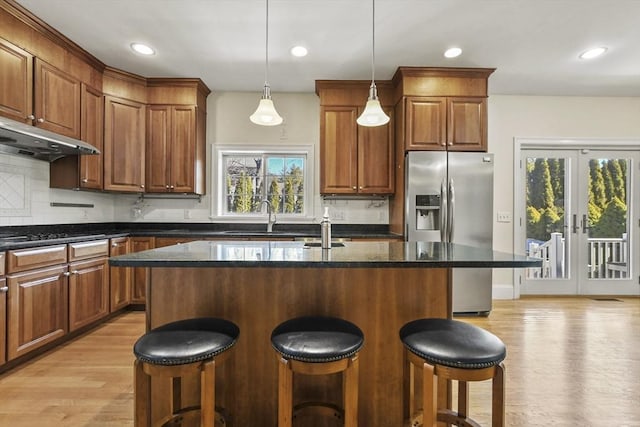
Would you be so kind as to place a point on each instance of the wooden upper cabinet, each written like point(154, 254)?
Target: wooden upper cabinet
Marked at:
point(338, 150)
point(353, 159)
point(84, 171)
point(426, 123)
point(171, 149)
point(124, 145)
point(375, 157)
point(446, 123)
point(16, 83)
point(92, 125)
point(467, 124)
point(35, 92)
point(57, 100)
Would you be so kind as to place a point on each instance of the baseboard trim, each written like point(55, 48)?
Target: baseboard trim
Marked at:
point(502, 291)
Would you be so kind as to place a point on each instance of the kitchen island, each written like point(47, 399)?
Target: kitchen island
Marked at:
point(377, 285)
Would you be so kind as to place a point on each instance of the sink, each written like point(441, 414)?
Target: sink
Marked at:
point(258, 233)
point(318, 244)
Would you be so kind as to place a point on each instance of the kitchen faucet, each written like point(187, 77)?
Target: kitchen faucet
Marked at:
point(270, 221)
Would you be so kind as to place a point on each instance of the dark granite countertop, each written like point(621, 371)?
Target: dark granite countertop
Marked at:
point(295, 254)
point(92, 231)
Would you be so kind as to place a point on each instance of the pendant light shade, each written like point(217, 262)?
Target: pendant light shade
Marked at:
point(373, 115)
point(266, 114)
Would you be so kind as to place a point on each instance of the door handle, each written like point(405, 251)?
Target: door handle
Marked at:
point(585, 227)
point(443, 211)
point(452, 209)
point(575, 227)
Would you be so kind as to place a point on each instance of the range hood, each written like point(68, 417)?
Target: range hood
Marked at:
point(21, 139)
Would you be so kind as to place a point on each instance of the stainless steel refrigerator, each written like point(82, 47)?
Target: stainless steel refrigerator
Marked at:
point(449, 198)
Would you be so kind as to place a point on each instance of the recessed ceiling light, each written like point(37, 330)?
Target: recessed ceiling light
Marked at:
point(299, 51)
point(593, 53)
point(452, 52)
point(142, 49)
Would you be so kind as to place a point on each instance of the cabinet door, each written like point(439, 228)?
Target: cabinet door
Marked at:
point(57, 100)
point(425, 123)
point(124, 145)
point(92, 127)
point(375, 158)
point(37, 309)
point(158, 152)
point(16, 83)
point(467, 124)
point(182, 157)
point(140, 274)
point(119, 277)
point(88, 292)
point(3, 320)
point(338, 150)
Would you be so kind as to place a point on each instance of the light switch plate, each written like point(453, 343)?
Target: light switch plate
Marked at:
point(504, 216)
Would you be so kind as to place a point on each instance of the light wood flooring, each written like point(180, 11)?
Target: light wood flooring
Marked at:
point(571, 362)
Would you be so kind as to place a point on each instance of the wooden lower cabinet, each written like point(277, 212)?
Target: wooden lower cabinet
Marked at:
point(140, 274)
point(88, 292)
point(119, 277)
point(37, 309)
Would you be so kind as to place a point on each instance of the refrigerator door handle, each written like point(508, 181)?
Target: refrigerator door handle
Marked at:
point(452, 208)
point(443, 211)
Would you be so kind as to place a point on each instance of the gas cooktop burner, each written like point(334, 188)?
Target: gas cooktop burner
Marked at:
point(46, 236)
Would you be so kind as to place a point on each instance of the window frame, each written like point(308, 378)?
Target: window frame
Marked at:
point(218, 180)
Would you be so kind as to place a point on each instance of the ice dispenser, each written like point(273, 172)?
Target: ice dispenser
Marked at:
point(428, 212)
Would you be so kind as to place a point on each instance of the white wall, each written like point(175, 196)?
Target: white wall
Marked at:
point(545, 116)
point(25, 197)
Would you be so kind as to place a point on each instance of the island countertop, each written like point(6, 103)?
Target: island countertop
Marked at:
point(346, 255)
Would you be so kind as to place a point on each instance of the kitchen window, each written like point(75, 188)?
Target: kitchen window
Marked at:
point(246, 177)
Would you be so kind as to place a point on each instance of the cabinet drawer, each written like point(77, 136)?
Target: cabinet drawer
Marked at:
point(91, 249)
point(27, 259)
point(2, 262)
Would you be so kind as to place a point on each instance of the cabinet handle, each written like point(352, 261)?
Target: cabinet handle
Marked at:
point(354, 188)
point(66, 274)
point(141, 185)
point(85, 180)
point(4, 289)
point(171, 187)
point(40, 120)
point(166, 186)
point(75, 272)
point(31, 117)
point(114, 245)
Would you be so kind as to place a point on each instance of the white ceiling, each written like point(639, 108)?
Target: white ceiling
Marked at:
point(533, 44)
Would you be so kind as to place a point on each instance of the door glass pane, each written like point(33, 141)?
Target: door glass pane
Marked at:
point(546, 225)
point(607, 220)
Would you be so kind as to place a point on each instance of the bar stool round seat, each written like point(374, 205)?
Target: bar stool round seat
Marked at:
point(317, 345)
point(452, 350)
point(179, 348)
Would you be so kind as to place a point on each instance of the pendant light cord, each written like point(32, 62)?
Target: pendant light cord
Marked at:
point(373, 44)
point(266, 46)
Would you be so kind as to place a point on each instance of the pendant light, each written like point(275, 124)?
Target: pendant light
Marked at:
point(373, 115)
point(266, 114)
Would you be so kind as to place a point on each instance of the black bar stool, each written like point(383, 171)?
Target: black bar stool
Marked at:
point(317, 345)
point(451, 350)
point(184, 347)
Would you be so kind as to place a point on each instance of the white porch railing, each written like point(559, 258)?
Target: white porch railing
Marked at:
point(607, 258)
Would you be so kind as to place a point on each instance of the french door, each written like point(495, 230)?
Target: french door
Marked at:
point(579, 213)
